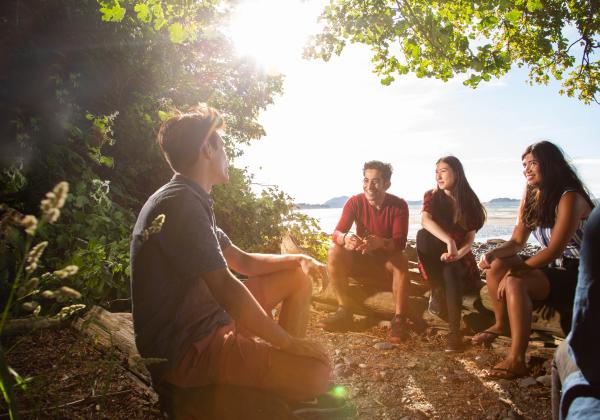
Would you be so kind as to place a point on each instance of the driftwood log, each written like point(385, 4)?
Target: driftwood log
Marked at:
point(477, 307)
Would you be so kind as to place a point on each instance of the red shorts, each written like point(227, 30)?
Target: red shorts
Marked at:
point(230, 355)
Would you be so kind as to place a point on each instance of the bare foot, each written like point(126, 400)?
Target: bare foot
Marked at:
point(487, 337)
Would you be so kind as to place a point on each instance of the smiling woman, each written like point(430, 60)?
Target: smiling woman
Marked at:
point(271, 31)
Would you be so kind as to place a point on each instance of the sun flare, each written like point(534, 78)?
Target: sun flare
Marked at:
point(272, 32)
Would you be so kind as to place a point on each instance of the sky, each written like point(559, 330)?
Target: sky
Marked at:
point(333, 116)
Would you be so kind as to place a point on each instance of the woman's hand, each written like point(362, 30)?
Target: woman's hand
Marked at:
point(501, 293)
point(452, 254)
point(486, 259)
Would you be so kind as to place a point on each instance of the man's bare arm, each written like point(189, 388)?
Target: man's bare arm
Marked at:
point(237, 300)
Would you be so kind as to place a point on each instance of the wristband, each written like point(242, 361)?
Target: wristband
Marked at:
point(344, 239)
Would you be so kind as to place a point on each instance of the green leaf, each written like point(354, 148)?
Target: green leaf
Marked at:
point(514, 15)
point(106, 161)
point(177, 33)
point(143, 12)
point(533, 5)
point(114, 13)
point(163, 115)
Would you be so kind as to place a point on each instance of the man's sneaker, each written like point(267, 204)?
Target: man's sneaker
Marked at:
point(437, 302)
point(399, 330)
point(454, 343)
point(340, 321)
point(322, 406)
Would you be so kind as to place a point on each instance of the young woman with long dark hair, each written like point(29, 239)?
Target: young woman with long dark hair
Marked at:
point(451, 216)
point(555, 207)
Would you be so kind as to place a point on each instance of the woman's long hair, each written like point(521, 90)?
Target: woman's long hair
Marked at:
point(540, 202)
point(468, 212)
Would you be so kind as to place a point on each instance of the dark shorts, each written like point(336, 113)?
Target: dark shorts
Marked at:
point(369, 269)
point(563, 281)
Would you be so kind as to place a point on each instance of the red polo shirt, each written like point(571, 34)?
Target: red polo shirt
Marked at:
point(390, 221)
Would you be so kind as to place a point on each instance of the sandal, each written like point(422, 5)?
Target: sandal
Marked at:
point(485, 338)
point(505, 373)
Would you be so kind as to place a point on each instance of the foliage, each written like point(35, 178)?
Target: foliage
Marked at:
point(88, 82)
point(24, 290)
point(481, 38)
point(257, 223)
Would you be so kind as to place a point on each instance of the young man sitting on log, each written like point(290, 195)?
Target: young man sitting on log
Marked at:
point(374, 253)
point(189, 309)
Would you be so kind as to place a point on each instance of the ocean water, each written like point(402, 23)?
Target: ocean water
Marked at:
point(501, 219)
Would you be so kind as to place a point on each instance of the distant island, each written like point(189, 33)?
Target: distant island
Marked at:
point(338, 202)
point(332, 203)
point(503, 200)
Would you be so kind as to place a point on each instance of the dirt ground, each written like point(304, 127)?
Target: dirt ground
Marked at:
point(69, 377)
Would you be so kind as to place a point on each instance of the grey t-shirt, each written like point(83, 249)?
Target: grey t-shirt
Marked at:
point(172, 305)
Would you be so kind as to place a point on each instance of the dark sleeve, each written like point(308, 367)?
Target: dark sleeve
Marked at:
point(189, 240)
point(584, 339)
point(400, 225)
point(346, 221)
point(224, 241)
point(427, 202)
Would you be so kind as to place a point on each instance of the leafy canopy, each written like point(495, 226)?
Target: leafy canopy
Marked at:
point(482, 38)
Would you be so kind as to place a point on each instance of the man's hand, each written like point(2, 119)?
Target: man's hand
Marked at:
point(305, 348)
point(352, 242)
point(371, 243)
point(315, 270)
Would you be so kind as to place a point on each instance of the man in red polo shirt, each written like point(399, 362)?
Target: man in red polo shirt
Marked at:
point(375, 251)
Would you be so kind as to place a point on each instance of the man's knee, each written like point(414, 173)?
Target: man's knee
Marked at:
point(338, 259)
point(397, 262)
point(302, 282)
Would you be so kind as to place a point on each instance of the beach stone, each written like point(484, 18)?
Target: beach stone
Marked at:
point(495, 241)
point(340, 370)
point(362, 365)
point(545, 380)
point(384, 345)
point(527, 382)
point(350, 361)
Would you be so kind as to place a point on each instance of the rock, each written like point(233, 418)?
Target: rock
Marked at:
point(362, 365)
point(545, 380)
point(495, 241)
point(349, 361)
point(411, 365)
point(527, 382)
point(341, 371)
point(384, 345)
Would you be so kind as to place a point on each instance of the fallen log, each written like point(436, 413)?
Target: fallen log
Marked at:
point(21, 326)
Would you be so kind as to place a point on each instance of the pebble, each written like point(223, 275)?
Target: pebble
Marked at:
point(545, 380)
point(362, 365)
point(384, 345)
point(411, 365)
point(527, 382)
point(349, 361)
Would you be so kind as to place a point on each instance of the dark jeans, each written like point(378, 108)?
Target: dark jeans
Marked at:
point(448, 276)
